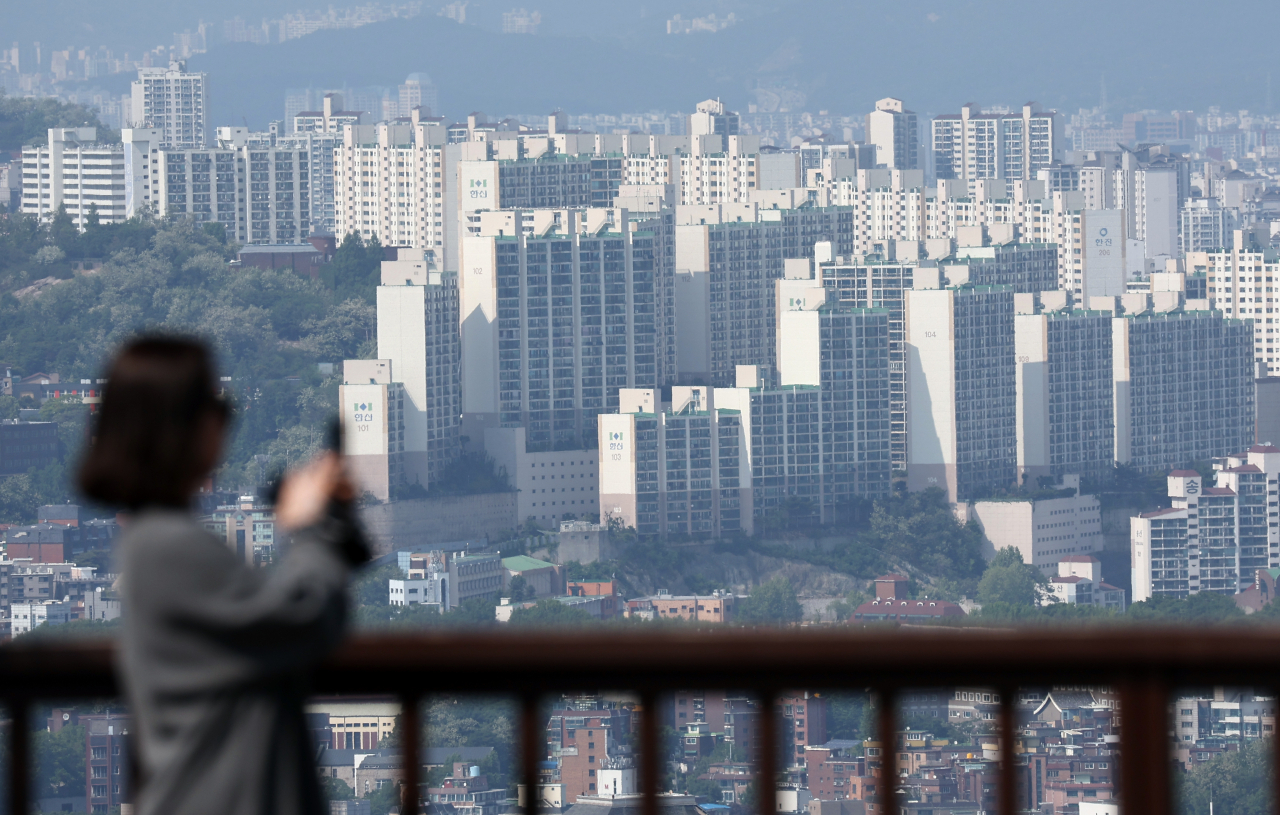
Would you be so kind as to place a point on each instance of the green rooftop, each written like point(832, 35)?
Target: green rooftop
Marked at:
point(524, 563)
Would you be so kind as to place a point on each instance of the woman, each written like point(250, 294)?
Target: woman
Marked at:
point(214, 654)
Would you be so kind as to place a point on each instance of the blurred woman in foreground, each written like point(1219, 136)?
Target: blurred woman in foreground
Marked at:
point(215, 654)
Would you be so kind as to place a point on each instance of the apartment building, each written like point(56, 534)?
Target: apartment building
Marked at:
point(1183, 384)
point(868, 282)
point(563, 308)
point(1065, 410)
point(75, 171)
point(174, 102)
point(1204, 225)
point(972, 145)
point(895, 132)
point(261, 195)
point(822, 431)
point(372, 407)
point(418, 335)
point(331, 118)
point(389, 182)
point(1212, 538)
point(1242, 283)
point(685, 470)
point(819, 431)
point(727, 259)
point(319, 150)
point(961, 386)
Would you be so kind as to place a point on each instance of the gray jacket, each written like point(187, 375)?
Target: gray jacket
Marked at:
point(214, 658)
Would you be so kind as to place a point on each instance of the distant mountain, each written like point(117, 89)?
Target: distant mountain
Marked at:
point(838, 55)
point(830, 54)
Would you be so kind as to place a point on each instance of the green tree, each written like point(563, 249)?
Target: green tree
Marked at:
point(773, 602)
point(26, 121)
point(59, 762)
point(335, 789)
point(63, 231)
point(519, 590)
point(551, 613)
point(383, 799)
point(1198, 609)
point(1237, 782)
point(1009, 580)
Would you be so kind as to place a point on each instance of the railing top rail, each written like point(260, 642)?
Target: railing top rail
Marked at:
point(522, 660)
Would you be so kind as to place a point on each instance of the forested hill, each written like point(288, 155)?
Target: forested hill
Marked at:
point(269, 328)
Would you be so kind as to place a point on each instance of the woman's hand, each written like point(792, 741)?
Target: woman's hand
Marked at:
point(307, 491)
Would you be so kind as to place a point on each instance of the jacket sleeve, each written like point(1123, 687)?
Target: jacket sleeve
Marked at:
point(219, 624)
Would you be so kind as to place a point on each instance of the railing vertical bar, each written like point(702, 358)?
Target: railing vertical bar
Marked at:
point(651, 759)
point(1008, 758)
point(1275, 752)
point(410, 737)
point(767, 778)
point(532, 747)
point(887, 733)
point(19, 757)
point(1144, 747)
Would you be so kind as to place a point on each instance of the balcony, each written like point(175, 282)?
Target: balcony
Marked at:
point(1144, 665)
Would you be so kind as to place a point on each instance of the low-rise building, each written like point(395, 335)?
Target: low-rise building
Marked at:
point(545, 578)
point(717, 607)
point(892, 603)
point(1079, 580)
point(1044, 530)
point(247, 527)
point(29, 616)
point(584, 542)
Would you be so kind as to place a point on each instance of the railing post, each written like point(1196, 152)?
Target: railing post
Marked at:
point(533, 744)
point(1144, 747)
point(650, 753)
point(410, 736)
point(767, 772)
point(19, 757)
point(1008, 758)
point(887, 733)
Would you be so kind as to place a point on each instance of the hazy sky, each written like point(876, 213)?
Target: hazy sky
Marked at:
point(825, 54)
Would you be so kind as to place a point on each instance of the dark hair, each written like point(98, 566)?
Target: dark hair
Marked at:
point(159, 392)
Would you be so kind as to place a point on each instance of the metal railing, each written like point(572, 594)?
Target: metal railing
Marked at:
point(1144, 665)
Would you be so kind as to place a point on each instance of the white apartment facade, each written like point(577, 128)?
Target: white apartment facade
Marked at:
point(1065, 390)
point(562, 308)
point(973, 145)
point(418, 334)
point(961, 388)
point(372, 408)
point(895, 132)
point(75, 171)
point(1244, 283)
point(389, 182)
point(1182, 383)
point(173, 101)
point(260, 194)
point(1212, 538)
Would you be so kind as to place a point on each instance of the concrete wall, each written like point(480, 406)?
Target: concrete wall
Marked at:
point(405, 524)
